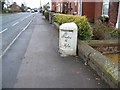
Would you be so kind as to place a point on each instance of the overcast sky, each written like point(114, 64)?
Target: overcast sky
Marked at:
point(31, 3)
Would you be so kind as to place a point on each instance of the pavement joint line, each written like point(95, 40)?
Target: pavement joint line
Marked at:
point(16, 38)
point(15, 23)
point(4, 30)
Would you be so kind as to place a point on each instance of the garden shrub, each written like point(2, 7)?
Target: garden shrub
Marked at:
point(115, 33)
point(101, 31)
point(46, 14)
point(84, 31)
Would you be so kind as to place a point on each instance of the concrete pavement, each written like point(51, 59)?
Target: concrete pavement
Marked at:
point(43, 67)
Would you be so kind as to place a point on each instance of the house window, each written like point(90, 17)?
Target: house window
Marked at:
point(66, 7)
point(105, 8)
point(75, 6)
point(118, 19)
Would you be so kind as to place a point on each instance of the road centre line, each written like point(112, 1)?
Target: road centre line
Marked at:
point(4, 30)
point(15, 23)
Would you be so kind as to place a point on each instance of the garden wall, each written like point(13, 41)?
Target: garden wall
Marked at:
point(101, 64)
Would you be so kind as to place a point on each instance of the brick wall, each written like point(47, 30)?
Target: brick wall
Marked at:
point(113, 13)
point(98, 10)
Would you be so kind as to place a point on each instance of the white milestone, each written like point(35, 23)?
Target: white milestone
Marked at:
point(68, 39)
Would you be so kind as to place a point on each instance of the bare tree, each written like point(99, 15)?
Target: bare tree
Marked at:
point(2, 2)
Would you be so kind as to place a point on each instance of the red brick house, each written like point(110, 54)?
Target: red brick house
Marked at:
point(65, 6)
point(92, 10)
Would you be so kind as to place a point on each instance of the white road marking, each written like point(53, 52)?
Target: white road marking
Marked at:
point(15, 23)
point(15, 38)
point(4, 30)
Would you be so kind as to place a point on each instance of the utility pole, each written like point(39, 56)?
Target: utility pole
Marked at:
point(40, 3)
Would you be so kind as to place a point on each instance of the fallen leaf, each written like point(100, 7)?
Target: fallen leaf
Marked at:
point(97, 78)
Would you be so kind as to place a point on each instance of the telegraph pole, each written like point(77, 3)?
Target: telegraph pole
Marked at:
point(40, 3)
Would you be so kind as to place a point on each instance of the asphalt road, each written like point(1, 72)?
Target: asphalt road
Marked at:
point(12, 24)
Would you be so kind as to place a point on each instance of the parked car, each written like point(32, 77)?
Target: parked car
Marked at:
point(28, 10)
point(35, 10)
point(32, 11)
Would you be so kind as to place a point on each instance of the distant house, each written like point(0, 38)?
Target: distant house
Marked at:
point(14, 7)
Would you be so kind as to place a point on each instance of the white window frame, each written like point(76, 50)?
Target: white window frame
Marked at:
point(105, 2)
point(118, 19)
point(80, 7)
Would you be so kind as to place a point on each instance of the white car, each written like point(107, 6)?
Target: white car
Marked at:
point(28, 10)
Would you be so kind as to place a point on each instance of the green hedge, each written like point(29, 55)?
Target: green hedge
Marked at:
point(84, 31)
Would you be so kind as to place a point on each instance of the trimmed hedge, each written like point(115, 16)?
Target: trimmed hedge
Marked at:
point(84, 31)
